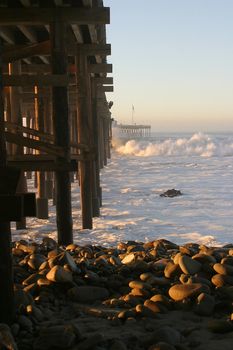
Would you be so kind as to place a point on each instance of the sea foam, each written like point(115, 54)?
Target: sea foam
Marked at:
point(198, 144)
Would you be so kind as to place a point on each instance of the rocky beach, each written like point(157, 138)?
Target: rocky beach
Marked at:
point(154, 296)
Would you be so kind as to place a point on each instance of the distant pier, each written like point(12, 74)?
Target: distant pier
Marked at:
point(134, 130)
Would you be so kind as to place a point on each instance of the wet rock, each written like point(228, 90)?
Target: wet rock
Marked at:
point(171, 193)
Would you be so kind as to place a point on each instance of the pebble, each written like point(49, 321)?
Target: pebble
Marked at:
point(142, 288)
point(172, 270)
point(188, 265)
point(128, 259)
point(223, 269)
point(205, 304)
point(182, 291)
point(59, 274)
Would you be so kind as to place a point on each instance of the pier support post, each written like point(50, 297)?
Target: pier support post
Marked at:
point(61, 131)
point(6, 274)
point(16, 117)
point(85, 136)
point(41, 201)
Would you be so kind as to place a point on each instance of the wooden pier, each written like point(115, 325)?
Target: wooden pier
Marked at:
point(55, 122)
point(134, 130)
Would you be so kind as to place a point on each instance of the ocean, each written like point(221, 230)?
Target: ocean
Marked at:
point(200, 165)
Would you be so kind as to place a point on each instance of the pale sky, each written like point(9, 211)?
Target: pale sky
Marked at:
point(173, 61)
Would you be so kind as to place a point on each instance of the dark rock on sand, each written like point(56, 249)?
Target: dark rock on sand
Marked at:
point(171, 193)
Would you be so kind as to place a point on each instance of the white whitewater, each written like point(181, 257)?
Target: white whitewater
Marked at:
point(199, 165)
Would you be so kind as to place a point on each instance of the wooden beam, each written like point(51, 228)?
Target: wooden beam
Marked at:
point(44, 49)
point(87, 3)
point(29, 131)
point(35, 68)
point(7, 307)
point(7, 35)
point(41, 16)
point(103, 80)
point(100, 68)
point(35, 144)
point(43, 165)
point(95, 49)
point(36, 80)
point(77, 33)
point(107, 88)
point(25, 3)
point(61, 125)
point(20, 52)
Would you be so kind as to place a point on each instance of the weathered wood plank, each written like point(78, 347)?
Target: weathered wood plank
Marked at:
point(29, 131)
point(107, 88)
point(100, 68)
point(7, 306)
point(36, 80)
point(61, 124)
point(103, 80)
point(14, 53)
point(43, 165)
point(41, 16)
point(94, 49)
point(34, 144)
point(85, 135)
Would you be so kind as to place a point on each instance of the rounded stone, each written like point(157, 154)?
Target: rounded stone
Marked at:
point(59, 274)
point(205, 304)
point(172, 270)
point(152, 305)
point(188, 265)
point(223, 269)
point(180, 292)
point(139, 285)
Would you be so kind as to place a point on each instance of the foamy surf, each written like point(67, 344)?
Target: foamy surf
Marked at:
point(198, 144)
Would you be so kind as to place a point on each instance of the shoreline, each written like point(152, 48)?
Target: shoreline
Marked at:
point(154, 295)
